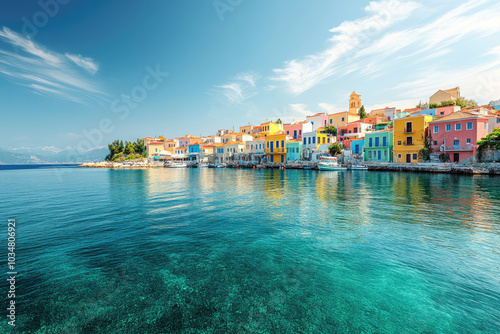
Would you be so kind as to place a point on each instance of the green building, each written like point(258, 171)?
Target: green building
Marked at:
point(294, 150)
point(379, 145)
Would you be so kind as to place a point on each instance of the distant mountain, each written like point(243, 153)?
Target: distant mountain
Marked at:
point(51, 154)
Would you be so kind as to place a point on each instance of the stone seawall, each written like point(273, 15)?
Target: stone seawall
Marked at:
point(484, 168)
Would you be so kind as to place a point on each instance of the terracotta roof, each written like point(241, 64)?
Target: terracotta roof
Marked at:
point(412, 110)
point(207, 146)
point(155, 143)
point(318, 114)
point(234, 143)
point(458, 115)
point(259, 138)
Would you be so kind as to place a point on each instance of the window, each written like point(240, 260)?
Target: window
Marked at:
point(331, 121)
point(498, 120)
point(312, 123)
point(277, 143)
point(442, 113)
point(377, 142)
point(355, 130)
point(288, 132)
point(342, 119)
point(469, 125)
point(385, 154)
point(434, 143)
point(409, 127)
point(370, 154)
point(282, 143)
point(448, 127)
point(414, 156)
point(305, 140)
point(370, 142)
point(485, 125)
point(456, 143)
point(468, 140)
point(409, 140)
point(399, 156)
point(309, 140)
point(458, 127)
point(384, 141)
point(300, 132)
point(436, 128)
point(399, 143)
point(314, 140)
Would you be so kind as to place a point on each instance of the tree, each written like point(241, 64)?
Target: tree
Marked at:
point(335, 149)
point(444, 157)
point(491, 141)
point(129, 148)
point(448, 103)
point(279, 121)
point(433, 105)
point(139, 147)
point(426, 151)
point(463, 102)
point(115, 150)
point(331, 130)
point(362, 113)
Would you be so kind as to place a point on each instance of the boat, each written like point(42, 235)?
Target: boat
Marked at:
point(359, 167)
point(329, 163)
point(222, 165)
point(176, 165)
point(202, 165)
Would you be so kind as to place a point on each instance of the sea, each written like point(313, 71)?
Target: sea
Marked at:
point(248, 251)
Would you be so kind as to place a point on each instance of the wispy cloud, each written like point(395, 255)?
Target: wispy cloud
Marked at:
point(47, 72)
point(85, 63)
point(373, 45)
point(302, 109)
point(303, 74)
point(239, 89)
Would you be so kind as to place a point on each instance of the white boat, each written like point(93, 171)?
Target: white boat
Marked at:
point(222, 165)
point(359, 167)
point(177, 165)
point(329, 163)
point(202, 165)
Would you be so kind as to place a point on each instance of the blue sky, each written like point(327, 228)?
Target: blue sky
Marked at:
point(81, 73)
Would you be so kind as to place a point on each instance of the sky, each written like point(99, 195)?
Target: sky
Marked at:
point(83, 73)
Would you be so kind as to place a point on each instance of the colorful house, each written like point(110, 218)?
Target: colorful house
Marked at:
point(189, 140)
point(318, 120)
point(357, 146)
point(219, 152)
point(342, 118)
point(193, 151)
point(348, 132)
point(409, 136)
point(294, 150)
point(207, 153)
point(445, 111)
point(249, 129)
point(153, 148)
point(457, 134)
point(276, 148)
point(296, 129)
point(256, 149)
point(270, 128)
point(445, 95)
point(232, 149)
point(379, 145)
point(180, 150)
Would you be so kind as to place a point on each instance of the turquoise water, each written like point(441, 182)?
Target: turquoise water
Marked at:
point(244, 251)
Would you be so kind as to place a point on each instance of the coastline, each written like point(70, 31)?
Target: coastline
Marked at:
point(448, 168)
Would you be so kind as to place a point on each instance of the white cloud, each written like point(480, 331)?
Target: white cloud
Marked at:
point(301, 109)
point(301, 75)
point(47, 72)
point(330, 108)
point(85, 63)
point(241, 88)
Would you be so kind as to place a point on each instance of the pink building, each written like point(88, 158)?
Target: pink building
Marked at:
point(457, 134)
point(296, 129)
point(318, 120)
point(445, 111)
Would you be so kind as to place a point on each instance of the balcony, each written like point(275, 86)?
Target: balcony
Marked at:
point(279, 150)
point(408, 130)
point(405, 143)
point(468, 147)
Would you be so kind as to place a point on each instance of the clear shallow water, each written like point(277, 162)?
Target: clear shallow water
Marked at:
point(224, 250)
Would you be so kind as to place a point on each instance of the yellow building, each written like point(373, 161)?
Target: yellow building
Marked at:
point(270, 128)
point(154, 148)
point(276, 147)
point(322, 137)
point(409, 137)
point(354, 103)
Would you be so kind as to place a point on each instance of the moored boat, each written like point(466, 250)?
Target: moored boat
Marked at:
point(329, 163)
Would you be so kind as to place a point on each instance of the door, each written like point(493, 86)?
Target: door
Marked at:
point(408, 158)
point(272, 145)
point(456, 157)
point(282, 158)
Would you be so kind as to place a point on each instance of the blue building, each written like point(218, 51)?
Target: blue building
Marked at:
point(193, 151)
point(357, 146)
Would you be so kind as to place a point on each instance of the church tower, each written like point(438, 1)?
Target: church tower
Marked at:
point(354, 103)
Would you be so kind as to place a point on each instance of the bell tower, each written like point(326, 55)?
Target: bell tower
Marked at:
point(354, 103)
